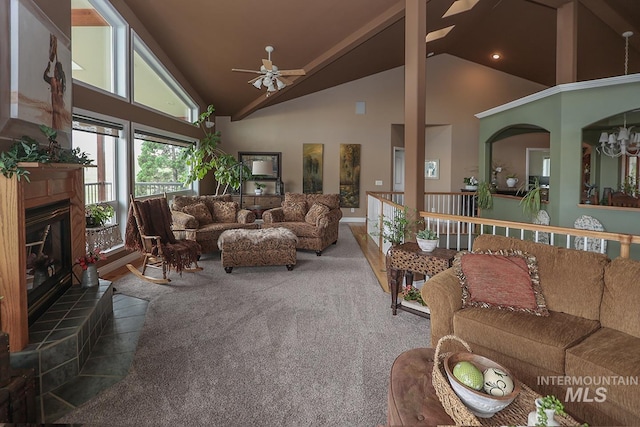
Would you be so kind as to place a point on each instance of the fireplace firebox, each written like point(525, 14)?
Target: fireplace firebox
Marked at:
point(49, 259)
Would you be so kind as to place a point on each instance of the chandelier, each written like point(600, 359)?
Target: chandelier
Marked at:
point(622, 141)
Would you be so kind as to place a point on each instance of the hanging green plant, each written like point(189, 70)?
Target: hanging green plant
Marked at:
point(28, 150)
point(531, 202)
point(484, 195)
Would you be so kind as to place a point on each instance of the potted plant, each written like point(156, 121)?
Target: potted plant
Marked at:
point(470, 183)
point(512, 180)
point(96, 215)
point(484, 195)
point(427, 240)
point(395, 230)
point(531, 201)
point(89, 268)
point(202, 157)
point(229, 172)
point(546, 408)
point(259, 188)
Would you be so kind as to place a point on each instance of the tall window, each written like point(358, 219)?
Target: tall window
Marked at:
point(99, 50)
point(155, 87)
point(158, 165)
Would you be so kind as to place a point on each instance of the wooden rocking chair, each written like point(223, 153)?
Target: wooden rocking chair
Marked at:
point(149, 232)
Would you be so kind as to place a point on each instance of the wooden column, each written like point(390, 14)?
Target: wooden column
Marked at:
point(567, 43)
point(415, 101)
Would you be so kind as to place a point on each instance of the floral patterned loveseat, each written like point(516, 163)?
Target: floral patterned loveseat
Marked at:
point(206, 217)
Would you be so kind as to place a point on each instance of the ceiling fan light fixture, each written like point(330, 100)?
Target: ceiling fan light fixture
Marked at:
point(270, 76)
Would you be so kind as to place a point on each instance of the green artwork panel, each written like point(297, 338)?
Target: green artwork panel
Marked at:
point(350, 175)
point(312, 168)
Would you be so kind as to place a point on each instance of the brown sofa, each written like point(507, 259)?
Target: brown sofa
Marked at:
point(592, 332)
point(206, 217)
point(314, 218)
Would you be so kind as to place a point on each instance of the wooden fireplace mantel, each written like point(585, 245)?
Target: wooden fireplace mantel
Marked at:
point(50, 183)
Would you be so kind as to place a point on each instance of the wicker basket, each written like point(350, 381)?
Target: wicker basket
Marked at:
point(514, 414)
point(452, 404)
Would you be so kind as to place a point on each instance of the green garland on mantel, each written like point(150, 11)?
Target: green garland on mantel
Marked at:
point(28, 150)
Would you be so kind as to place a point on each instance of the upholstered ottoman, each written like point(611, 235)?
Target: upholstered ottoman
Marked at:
point(252, 248)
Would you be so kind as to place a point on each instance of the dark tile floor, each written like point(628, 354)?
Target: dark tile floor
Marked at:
point(108, 363)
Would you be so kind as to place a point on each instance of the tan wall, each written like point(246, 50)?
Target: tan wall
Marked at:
point(511, 154)
point(456, 90)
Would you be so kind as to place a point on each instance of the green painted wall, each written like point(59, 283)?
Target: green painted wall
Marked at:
point(564, 112)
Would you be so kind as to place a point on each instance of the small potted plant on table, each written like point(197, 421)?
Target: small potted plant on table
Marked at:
point(259, 188)
point(96, 215)
point(470, 183)
point(427, 240)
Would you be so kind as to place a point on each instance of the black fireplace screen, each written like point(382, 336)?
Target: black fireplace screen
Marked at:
point(48, 237)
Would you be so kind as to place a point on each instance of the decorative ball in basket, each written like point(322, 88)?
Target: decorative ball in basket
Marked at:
point(481, 402)
point(490, 389)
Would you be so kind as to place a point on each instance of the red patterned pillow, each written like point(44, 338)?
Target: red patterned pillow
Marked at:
point(294, 211)
point(506, 280)
point(199, 211)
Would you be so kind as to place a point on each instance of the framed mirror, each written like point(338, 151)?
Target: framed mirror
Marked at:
point(265, 166)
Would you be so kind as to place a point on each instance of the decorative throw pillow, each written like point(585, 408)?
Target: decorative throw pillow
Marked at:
point(316, 211)
point(199, 211)
point(225, 211)
point(506, 279)
point(294, 211)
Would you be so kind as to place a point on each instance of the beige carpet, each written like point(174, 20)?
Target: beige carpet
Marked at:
point(262, 346)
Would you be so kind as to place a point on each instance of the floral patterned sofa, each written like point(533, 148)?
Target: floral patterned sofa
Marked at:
point(314, 218)
point(204, 218)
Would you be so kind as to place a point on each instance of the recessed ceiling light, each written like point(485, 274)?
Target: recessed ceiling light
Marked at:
point(460, 6)
point(496, 56)
point(438, 34)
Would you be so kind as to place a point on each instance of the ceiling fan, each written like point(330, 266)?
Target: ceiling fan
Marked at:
point(270, 76)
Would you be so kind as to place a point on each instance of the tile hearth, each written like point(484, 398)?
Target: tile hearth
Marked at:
point(83, 344)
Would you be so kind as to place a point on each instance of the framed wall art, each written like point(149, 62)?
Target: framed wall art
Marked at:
point(432, 169)
point(312, 168)
point(35, 73)
point(350, 175)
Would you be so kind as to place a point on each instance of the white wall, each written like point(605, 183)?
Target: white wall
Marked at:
point(456, 90)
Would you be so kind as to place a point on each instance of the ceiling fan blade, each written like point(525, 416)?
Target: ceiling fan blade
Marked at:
point(246, 71)
point(267, 64)
point(299, 72)
point(254, 79)
point(285, 81)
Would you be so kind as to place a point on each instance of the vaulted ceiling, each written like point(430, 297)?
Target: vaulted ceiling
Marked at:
point(337, 41)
